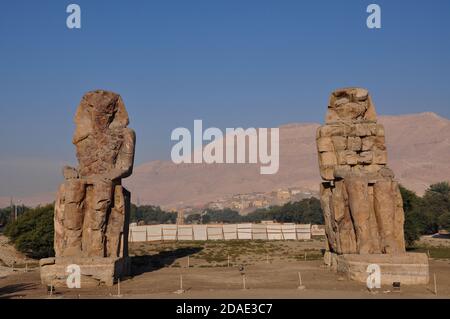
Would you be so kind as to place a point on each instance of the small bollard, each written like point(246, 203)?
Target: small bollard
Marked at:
point(118, 288)
point(50, 289)
point(435, 285)
point(300, 283)
point(181, 290)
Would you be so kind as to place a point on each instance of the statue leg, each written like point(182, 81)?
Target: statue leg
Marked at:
point(60, 235)
point(115, 226)
point(73, 216)
point(358, 198)
point(98, 212)
point(331, 230)
point(385, 209)
point(339, 205)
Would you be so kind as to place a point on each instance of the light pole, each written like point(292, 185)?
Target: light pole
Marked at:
point(15, 209)
point(11, 215)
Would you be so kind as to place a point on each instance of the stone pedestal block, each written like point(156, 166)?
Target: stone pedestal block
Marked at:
point(95, 271)
point(406, 268)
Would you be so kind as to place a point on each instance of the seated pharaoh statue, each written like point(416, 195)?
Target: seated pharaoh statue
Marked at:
point(362, 204)
point(92, 207)
point(360, 199)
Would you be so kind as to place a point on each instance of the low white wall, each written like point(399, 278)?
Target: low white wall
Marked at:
point(274, 231)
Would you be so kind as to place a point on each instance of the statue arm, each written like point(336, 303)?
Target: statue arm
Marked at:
point(125, 158)
point(70, 172)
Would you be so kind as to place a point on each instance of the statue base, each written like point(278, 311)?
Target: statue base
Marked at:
point(94, 270)
point(406, 268)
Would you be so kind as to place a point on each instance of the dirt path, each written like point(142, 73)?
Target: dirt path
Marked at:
point(273, 280)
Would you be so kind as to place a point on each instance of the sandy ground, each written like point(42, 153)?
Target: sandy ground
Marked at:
point(8, 254)
point(274, 277)
point(10, 259)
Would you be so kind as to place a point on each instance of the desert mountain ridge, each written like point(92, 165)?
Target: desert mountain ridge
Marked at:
point(418, 150)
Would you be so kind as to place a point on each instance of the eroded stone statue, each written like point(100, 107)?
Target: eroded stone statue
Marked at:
point(90, 210)
point(361, 201)
point(92, 207)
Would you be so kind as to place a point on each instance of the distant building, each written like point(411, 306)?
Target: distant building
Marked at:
point(283, 194)
point(260, 203)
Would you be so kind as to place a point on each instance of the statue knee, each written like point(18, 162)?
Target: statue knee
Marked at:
point(74, 191)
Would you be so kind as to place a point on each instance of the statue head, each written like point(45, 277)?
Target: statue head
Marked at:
point(103, 107)
point(350, 104)
point(98, 111)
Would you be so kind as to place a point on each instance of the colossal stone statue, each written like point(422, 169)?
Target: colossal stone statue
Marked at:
point(92, 208)
point(361, 201)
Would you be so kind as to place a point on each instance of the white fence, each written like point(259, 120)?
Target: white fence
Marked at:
point(221, 232)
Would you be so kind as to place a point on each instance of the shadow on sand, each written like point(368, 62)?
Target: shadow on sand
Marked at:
point(12, 291)
point(148, 263)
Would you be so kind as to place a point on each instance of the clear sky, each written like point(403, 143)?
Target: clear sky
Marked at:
point(250, 63)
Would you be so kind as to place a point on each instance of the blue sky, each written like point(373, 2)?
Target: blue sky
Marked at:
point(250, 63)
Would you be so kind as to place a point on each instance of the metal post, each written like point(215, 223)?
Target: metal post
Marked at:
point(435, 285)
point(300, 282)
point(11, 215)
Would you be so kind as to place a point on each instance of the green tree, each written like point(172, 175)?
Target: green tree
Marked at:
point(205, 219)
point(444, 221)
point(5, 216)
point(414, 224)
point(151, 215)
point(436, 202)
point(226, 215)
point(193, 219)
point(306, 211)
point(33, 232)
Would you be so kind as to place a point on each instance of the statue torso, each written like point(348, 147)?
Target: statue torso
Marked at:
point(98, 152)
